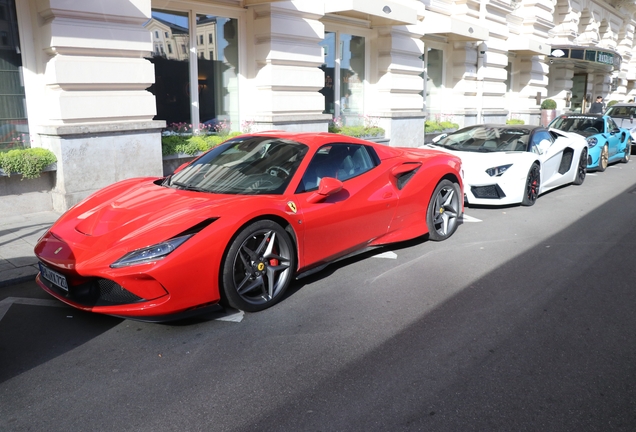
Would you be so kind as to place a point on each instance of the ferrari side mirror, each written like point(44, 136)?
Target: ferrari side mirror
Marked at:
point(327, 187)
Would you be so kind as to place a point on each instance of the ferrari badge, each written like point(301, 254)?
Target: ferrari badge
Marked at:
point(292, 206)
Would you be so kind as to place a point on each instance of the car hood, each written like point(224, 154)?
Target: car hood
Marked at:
point(475, 164)
point(485, 159)
point(128, 216)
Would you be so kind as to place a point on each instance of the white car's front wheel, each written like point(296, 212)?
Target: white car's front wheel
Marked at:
point(533, 181)
point(581, 170)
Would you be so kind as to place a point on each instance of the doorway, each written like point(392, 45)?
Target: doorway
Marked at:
point(579, 85)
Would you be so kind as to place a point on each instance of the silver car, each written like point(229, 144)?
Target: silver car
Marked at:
point(623, 114)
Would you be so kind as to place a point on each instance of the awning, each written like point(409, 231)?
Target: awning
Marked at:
point(453, 28)
point(379, 12)
point(528, 46)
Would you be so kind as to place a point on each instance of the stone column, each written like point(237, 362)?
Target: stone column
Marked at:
point(533, 79)
point(561, 82)
point(283, 73)
point(86, 92)
point(397, 90)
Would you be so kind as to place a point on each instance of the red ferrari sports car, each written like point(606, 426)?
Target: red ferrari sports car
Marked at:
point(237, 224)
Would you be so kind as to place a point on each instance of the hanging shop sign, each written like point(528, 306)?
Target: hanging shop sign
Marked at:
point(590, 55)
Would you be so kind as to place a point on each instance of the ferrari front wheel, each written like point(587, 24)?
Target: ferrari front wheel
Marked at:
point(444, 209)
point(604, 159)
point(533, 181)
point(258, 266)
point(581, 170)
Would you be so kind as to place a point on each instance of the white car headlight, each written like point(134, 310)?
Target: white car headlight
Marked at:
point(592, 141)
point(150, 253)
point(497, 171)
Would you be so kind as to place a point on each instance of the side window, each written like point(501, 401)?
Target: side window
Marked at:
point(541, 141)
point(340, 161)
point(611, 125)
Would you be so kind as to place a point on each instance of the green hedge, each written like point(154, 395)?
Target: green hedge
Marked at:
point(28, 162)
point(515, 122)
point(192, 144)
point(357, 131)
point(435, 126)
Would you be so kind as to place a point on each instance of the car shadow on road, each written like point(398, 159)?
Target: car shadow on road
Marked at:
point(544, 341)
point(37, 328)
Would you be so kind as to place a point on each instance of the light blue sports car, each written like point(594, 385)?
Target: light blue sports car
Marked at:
point(606, 142)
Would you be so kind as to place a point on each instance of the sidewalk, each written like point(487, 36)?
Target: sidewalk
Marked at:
point(18, 236)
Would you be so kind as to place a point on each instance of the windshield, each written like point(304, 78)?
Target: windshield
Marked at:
point(487, 139)
point(621, 111)
point(582, 124)
point(250, 166)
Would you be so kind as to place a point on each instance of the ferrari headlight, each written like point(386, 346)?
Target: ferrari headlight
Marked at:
point(150, 253)
point(497, 171)
point(591, 142)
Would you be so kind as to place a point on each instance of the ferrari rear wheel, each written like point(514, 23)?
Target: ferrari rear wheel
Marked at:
point(581, 170)
point(531, 192)
point(258, 267)
point(444, 209)
point(604, 159)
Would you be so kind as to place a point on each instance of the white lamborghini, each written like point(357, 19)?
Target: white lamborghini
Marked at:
point(512, 164)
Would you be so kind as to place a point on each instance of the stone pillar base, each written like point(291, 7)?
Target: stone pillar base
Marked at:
point(90, 157)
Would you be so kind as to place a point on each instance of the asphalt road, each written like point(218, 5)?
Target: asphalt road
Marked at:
point(523, 320)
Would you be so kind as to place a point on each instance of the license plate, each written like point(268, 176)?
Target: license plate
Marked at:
point(54, 277)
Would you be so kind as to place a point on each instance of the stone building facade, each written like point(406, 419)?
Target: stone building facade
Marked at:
point(101, 79)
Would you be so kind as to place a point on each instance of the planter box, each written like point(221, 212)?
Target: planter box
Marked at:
point(48, 168)
point(18, 196)
point(174, 161)
point(428, 136)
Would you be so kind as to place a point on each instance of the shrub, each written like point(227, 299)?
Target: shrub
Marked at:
point(367, 128)
point(432, 126)
point(612, 102)
point(28, 162)
point(548, 104)
point(515, 122)
point(192, 144)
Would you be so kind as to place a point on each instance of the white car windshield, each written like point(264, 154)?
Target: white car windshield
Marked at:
point(484, 138)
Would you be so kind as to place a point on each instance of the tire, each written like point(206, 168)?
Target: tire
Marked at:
point(581, 169)
point(258, 267)
point(531, 189)
point(628, 151)
point(604, 159)
point(444, 209)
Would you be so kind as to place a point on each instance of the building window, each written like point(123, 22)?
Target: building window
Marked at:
point(210, 38)
point(344, 77)
point(14, 127)
point(169, 48)
point(166, 35)
point(156, 34)
point(214, 99)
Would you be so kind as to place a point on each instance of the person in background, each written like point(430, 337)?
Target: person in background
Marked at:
point(597, 107)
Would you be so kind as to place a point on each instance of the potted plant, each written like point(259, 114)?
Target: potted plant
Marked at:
point(548, 111)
